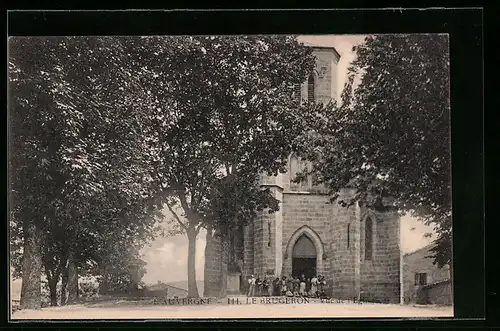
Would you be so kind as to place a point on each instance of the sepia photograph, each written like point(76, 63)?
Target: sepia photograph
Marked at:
point(225, 177)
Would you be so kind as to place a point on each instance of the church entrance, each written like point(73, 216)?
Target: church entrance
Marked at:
point(304, 258)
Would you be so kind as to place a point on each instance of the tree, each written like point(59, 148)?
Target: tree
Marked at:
point(120, 272)
point(76, 146)
point(390, 139)
point(105, 130)
point(29, 159)
point(231, 114)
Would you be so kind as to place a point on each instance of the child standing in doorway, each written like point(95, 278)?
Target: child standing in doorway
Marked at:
point(302, 287)
point(314, 286)
point(251, 286)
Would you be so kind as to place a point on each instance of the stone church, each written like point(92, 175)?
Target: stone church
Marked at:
point(357, 250)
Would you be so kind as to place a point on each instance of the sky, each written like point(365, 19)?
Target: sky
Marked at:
point(167, 257)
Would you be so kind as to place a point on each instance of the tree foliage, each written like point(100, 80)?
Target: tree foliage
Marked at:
point(391, 136)
point(78, 164)
point(231, 116)
point(105, 131)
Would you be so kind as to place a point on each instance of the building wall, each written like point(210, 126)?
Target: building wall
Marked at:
point(159, 290)
point(342, 260)
point(343, 254)
point(212, 269)
point(248, 255)
point(264, 252)
point(325, 74)
point(299, 210)
point(380, 276)
point(419, 262)
point(439, 293)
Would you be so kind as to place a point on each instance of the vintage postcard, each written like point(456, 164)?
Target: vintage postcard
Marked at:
point(249, 176)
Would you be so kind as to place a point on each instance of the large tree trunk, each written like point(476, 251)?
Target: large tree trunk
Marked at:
point(72, 278)
point(69, 289)
point(53, 291)
point(104, 285)
point(31, 291)
point(52, 279)
point(192, 286)
point(224, 265)
point(64, 286)
point(53, 275)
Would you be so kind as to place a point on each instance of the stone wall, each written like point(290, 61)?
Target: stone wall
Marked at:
point(419, 262)
point(301, 210)
point(344, 249)
point(213, 259)
point(439, 293)
point(380, 276)
point(342, 260)
point(266, 235)
point(263, 250)
point(325, 76)
point(212, 267)
point(159, 290)
point(248, 253)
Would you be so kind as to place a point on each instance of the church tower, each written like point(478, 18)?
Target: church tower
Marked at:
point(269, 246)
point(355, 249)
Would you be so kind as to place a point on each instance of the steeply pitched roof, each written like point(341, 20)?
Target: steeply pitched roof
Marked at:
point(427, 247)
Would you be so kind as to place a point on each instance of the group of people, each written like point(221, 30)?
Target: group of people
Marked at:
point(314, 287)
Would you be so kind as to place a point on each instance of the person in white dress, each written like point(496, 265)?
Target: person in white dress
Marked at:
point(314, 286)
point(251, 286)
point(302, 288)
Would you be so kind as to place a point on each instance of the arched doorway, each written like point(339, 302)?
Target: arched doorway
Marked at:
point(304, 257)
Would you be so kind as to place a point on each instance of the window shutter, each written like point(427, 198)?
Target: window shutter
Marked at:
point(310, 89)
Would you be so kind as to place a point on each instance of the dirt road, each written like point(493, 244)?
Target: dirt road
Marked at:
point(234, 309)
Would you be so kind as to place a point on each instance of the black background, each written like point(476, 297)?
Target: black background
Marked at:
point(465, 27)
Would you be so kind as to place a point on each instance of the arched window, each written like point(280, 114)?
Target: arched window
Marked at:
point(304, 248)
point(298, 166)
point(310, 89)
point(294, 167)
point(368, 238)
